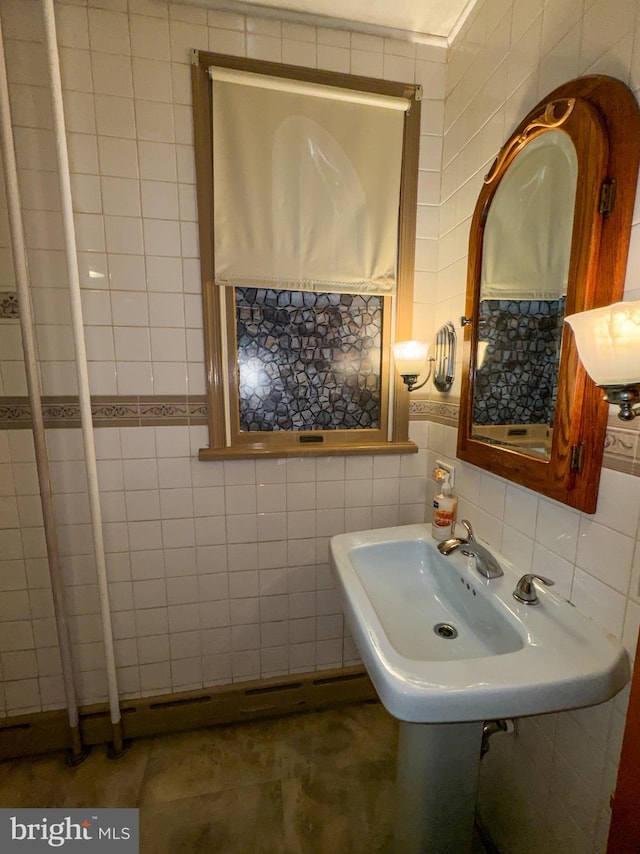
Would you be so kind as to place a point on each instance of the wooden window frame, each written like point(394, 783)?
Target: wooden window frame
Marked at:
point(219, 313)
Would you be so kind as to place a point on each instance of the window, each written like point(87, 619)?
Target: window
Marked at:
point(306, 279)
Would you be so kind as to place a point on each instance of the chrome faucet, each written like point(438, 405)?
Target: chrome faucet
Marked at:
point(486, 564)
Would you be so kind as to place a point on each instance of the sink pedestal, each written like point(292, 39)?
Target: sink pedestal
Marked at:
point(436, 787)
point(439, 643)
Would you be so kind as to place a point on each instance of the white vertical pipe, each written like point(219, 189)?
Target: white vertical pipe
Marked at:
point(19, 253)
point(81, 361)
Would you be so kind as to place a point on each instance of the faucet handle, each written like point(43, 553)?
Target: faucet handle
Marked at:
point(525, 591)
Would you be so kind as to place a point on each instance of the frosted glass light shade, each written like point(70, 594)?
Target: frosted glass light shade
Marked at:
point(608, 342)
point(410, 357)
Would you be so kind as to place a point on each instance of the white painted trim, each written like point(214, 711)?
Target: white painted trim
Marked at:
point(290, 15)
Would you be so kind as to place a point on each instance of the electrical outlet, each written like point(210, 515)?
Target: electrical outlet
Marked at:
point(450, 469)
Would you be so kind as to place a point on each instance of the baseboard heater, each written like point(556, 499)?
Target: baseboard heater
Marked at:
point(46, 732)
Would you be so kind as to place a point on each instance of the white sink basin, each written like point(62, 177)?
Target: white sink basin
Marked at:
point(507, 660)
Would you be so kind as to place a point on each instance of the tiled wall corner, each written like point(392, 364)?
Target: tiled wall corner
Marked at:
point(548, 787)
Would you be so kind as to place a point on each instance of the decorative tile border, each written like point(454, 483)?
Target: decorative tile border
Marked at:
point(621, 447)
point(14, 413)
point(126, 411)
point(442, 412)
point(9, 309)
point(621, 452)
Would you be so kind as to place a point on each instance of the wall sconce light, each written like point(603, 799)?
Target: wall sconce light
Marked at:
point(608, 342)
point(411, 359)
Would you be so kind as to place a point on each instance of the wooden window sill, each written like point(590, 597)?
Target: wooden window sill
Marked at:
point(261, 452)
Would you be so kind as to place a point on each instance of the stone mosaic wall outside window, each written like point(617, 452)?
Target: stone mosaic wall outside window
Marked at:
point(308, 361)
point(517, 383)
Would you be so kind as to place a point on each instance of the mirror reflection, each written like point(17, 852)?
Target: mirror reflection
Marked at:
point(522, 300)
point(549, 234)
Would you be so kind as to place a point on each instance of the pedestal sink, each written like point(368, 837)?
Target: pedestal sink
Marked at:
point(447, 650)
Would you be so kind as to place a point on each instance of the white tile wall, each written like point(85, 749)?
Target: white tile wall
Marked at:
point(171, 584)
point(538, 794)
point(127, 93)
point(218, 571)
point(547, 788)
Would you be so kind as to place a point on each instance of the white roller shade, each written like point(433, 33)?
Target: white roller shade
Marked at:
point(306, 184)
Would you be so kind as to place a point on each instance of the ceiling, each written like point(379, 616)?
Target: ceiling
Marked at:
point(419, 20)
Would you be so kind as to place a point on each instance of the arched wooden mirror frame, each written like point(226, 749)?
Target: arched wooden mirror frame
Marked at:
point(608, 152)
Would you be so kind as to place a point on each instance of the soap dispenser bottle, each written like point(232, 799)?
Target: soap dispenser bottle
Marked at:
point(444, 512)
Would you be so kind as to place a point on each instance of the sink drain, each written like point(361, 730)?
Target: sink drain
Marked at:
point(445, 630)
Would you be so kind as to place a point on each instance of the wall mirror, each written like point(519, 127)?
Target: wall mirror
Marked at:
point(549, 237)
